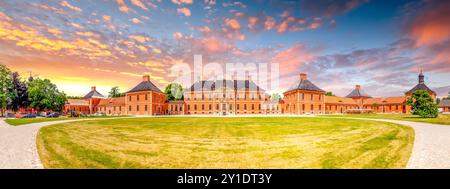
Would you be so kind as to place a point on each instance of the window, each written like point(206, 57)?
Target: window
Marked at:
point(129, 98)
point(320, 97)
point(311, 96)
point(203, 97)
point(245, 106)
point(114, 108)
point(312, 108)
point(129, 108)
point(189, 107)
point(137, 97)
point(253, 107)
point(210, 106)
point(253, 96)
point(303, 107)
point(146, 98)
point(195, 106)
point(120, 108)
point(303, 96)
point(230, 107)
point(217, 106)
point(203, 107)
point(137, 108)
point(237, 107)
point(259, 107)
point(145, 107)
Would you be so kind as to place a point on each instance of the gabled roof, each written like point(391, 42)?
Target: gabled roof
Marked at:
point(357, 92)
point(77, 102)
point(93, 94)
point(239, 85)
point(118, 101)
point(387, 100)
point(420, 86)
point(444, 103)
point(339, 100)
point(304, 84)
point(145, 86)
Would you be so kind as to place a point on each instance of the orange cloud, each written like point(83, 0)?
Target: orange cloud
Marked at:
point(179, 2)
point(106, 18)
point(139, 38)
point(283, 26)
point(233, 24)
point(139, 4)
point(85, 34)
point(185, 11)
point(177, 35)
point(123, 7)
point(54, 31)
point(75, 25)
point(71, 7)
point(213, 44)
point(136, 21)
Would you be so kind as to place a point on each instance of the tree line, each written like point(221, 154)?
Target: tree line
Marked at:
point(39, 94)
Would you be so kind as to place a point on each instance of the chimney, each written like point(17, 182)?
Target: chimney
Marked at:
point(357, 86)
point(303, 76)
point(146, 78)
point(93, 88)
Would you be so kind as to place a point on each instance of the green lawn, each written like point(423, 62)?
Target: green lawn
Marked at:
point(17, 122)
point(441, 119)
point(199, 142)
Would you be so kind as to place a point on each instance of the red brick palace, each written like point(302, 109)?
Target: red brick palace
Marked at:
point(233, 97)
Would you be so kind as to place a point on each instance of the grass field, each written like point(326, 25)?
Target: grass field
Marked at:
point(17, 122)
point(196, 142)
point(441, 119)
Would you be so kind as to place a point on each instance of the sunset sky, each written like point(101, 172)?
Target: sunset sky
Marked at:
point(379, 44)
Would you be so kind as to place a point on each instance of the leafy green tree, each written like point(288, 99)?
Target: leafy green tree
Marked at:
point(115, 92)
point(5, 87)
point(422, 104)
point(174, 91)
point(19, 90)
point(74, 97)
point(329, 93)
point(438, 100)
point(44, 95)
point(275, 97)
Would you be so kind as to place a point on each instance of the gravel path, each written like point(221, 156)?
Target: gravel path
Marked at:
point(431, 149)
point(431, 145)
point(18, 145)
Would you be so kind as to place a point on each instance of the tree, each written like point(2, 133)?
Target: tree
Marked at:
point(19, 90)
point(422, 104)
point(74, 97)
point(329, 93)
point(44, 95)
point(438, 100)
point(5, 87)
point(275, 97)
point(174, 91)
point(115, 92)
